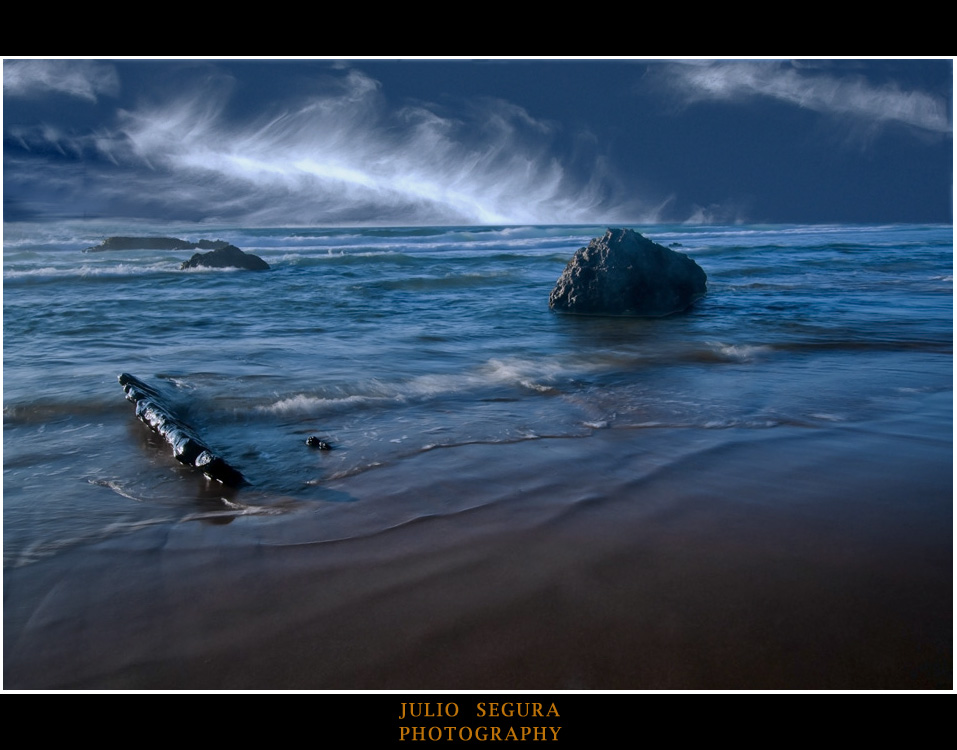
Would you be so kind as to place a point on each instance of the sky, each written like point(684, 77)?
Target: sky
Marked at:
point(404, 142)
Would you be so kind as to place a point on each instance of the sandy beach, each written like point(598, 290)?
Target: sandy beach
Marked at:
point(785, 560)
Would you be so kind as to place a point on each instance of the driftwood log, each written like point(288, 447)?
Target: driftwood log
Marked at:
point(188, 448)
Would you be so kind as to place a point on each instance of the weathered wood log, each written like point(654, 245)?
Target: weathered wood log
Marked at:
point(188, 448)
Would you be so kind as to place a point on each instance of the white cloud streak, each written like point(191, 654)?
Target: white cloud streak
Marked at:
point(344, 156)
point(82, 79)
point(811, 89)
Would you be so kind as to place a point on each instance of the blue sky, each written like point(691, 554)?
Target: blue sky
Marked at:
point(405, 142)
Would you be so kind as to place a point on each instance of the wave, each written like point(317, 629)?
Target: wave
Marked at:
point(205, 269)
point(527, 374)
point(546, 375)
point(305, 405)
point(57, 273)
point(715, 351)
point(343, 257)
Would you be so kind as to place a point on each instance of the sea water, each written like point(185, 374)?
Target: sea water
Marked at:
point(393, 344)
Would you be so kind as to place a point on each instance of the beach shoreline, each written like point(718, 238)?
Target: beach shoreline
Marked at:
point(777, 559)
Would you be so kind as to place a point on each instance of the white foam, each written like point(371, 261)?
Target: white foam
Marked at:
point(87, 271)
point(116, 487)
point(302, 404)
point(738, 352)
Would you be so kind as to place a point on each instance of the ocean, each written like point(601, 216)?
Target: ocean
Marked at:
point(430, 362)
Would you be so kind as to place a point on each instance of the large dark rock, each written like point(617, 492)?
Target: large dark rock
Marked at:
point(154, 243)
point(624, 273)
point(153, 411)
point(227, 257)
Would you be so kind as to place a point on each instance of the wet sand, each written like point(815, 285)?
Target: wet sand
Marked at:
point(778, 559)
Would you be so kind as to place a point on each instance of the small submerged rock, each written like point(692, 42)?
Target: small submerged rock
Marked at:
point(314, 442)
point(229, 256)
point(221, 254)
point(625, 273)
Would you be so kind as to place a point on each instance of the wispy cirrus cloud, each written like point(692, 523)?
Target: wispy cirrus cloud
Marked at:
point(810, 87)
point(344, 155)
point(83, 79)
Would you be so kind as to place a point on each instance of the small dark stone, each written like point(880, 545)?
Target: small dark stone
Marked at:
point(313, 442)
